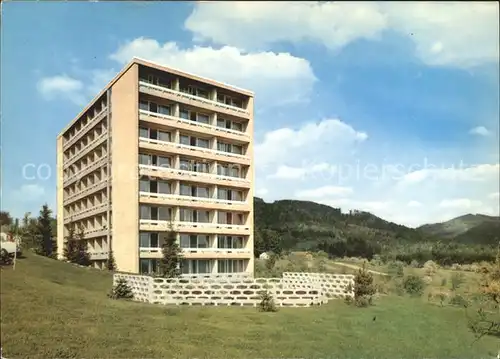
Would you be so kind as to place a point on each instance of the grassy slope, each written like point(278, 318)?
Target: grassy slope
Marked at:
point(52, 309)
point(458, 226)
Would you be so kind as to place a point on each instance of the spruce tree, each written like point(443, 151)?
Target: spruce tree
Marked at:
point(44, 232)
point(70, 250)
point(170, 262)
point(83, 256)
point(110, 263)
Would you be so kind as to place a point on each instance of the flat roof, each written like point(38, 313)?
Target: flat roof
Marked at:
point(139, 61)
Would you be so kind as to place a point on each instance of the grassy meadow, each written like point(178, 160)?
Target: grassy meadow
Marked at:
point(52, 309)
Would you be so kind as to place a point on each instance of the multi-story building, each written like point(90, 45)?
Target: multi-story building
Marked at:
point(160, 147)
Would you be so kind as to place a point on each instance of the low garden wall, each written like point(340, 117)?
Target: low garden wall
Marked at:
point(294, 289)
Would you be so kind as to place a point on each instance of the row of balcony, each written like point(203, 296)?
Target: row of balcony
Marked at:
point(98, 117)
point(188, 150)
point(195, 126)
point(96, 142)
point(191, 99)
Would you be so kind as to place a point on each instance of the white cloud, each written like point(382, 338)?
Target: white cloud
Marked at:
point(61, 85)
point(29, 193)
point(276, 78)
point(494, 195)
point(414, 204)
point(432, 26)
point(460, 203)
point(480, 130)
point(294, 173)
point(325, 191)
point(287, 144)
point(261, 192)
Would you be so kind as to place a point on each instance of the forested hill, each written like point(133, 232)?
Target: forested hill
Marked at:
point(303, 225)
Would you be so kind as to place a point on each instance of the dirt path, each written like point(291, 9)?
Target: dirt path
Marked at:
point(353, 266)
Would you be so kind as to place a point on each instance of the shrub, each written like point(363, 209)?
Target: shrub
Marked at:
point(267, 302)
point(415, 264)
point(121, 290)
point(396, 269)
point(444, 282)
point(364, 289)
point(430, 268)
point(414, 285)
point(457, 279)
point(439, 295)
point(459, 300)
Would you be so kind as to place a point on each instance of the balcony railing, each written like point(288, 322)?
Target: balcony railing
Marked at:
point(192, 148)
point(99, 255)
point(193, 123)
point(193, 97)
point(193, 173)
point(87, 170)
point(189, 199)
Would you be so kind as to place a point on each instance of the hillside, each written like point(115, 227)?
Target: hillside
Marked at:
point(303, 225)
point(458, 226)
point(52, 309)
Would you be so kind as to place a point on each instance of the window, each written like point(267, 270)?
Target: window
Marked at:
point(194, 241)
point(234, 171)
point(237, 149)
point(163, 161)
point(201, 167)
point(144, 105)
point(164, 136)
point(189, 215)
point(164, 213)
point(165, 110)
point(222, 194)
point(144, 185)
point(185, 165)
point(185, 140)
point(231, 266)
point(195, 266)
point(144, 212)
point(163, 187)
point(153, 107)
point(203, 143)
point(202, 192)
point(203, 118)
point(221, 122)
point(225, 147)
point(184, 114)
point(222, 170)
point(145, 159)
point(185, 190)
point(148, 266)
point(148, 240)
point(143, 132)
point(237, 126)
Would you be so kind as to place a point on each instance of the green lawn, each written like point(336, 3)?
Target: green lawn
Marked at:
point(52, 309)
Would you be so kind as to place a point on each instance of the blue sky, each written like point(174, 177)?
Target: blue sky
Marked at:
point(353, 100)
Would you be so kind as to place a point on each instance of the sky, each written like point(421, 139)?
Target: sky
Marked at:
point(382, 107)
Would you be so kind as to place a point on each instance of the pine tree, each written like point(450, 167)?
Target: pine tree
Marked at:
point(44, 232)
point(70, 246)
point(121, 290)
point(170, 262)
point(110, 263)
point(82, 256)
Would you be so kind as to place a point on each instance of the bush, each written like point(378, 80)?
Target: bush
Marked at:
point(457, 279)
point(459, 300)
point(414, 285)
point(444, 282)
point(396, 269)
point(121, 290)
point(430, 268)
point(415, 264)
point(267, 302)
point(364, 289)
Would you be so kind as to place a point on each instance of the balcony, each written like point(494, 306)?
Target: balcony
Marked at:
point(184, 175)
point(88, 212)
point(89, 147)
point(184, 124)
point(99, 255)
point(85, 192)
point(97, 232)
point(84, 129)
point(200, 253)
point(186, 150)
point(190, 201)
point(192, 100)
point(87, 170)
point(194, 227)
